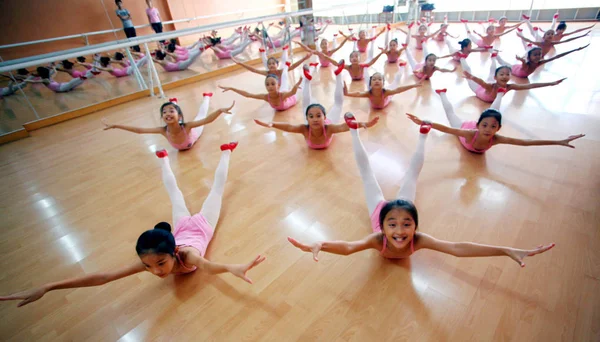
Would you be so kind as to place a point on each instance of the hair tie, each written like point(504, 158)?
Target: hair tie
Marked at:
point(173, 100)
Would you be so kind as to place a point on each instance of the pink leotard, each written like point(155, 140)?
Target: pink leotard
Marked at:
point(323, 145)
point(364, 49)
point(472, 125)
point(362, 73)
point(53, 85)
point(119, 72)
point(421, 75)
point(386, 101)
point(192, 231)
point(519, 71)
point(222, 54)
point(170, 66)
point(483, 95)
point(283, 105)
point(189, 141)
point(324, 62)
point(393, 56)
point(377, 229)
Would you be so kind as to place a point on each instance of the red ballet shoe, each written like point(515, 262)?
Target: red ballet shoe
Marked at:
point(162, 153)
point(502, 90)
point(519, 29)
point(402, 63)
point(404, 45)
point(555, 16)
point(173, 100)
point(335, 34)
point(389, 26)
point(306, 71)
point(464, 21)
point(261, 50)
point(374, 26)
point(207, 94)
point(231, 146)
point(354, 39)
point(286, 47)
point(411, 25)
point(525, 17)
point(491, 20)
point(494, 54)
point(536, 28)
point(529, 45)
point(439, 91)
point(313, 64)
point(83, 78)
point(350, 29)
point(429, 24)
point(425, 128)
point(288, 63)
point(350, 120)
point(340, 68)
point(488, 47)
point(461, 55)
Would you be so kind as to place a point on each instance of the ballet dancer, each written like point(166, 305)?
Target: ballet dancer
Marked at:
point(466, 47)
point(533, 60)
point(421, 36)
point(180, 134)
point(393, 53)
point(502, 27)
point(425, 69)
point(479, 136)
point(355, 69)
point(443, 33)
point(488, 40)
point(160, 251)
point(562, 27)
point(362, 42)
point(546, 42)
point(273, 65)
point(227, 52)
point(319, 127)
point(66, 66)
point(172, 64)
point(279, 98)
point(120, 72)
point(47, 79)
point(379, 97)
point(11, 88)
point(324, 49)
point(487, 91)
point(394, 223)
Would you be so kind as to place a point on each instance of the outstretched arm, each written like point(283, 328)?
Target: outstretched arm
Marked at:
point(402, 89)
point(375, 59)
point(331, 60)
point(505, 32)
point(138, 130)
point(467, 134)
point(533, 85)
point(339, 128)
point(529, 142)
point(249, 68)
point(292, 91)
point(571, 39)
point(211, 117)
point(478, 80)
point(238, 270)
point(282, 126)
point(562, 54)
point(579, 30)
point(528, 40)
point(471, 249)
point(337, 247)
point(93, 279)
point(340, 46)
point(355, 94)
point(445, 70)
point(244, 93)
point(434, 33)
point(295, 65)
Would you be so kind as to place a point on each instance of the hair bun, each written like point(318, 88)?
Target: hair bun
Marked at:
point(163, 225)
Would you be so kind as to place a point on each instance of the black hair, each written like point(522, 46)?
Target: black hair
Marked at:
point(160, 55)
point(173, 41)
point(490, 113)
point(408, 206)
point(171, 47)
point(371, 78)
point(313, 106)
point(272, 76)
point(43, 72)
point(156, 241)
point(177, 108)
point(273, 58)
point(119, 56)
point(81, 59)
point(117, 2)
point(104, 61)
point(429, 55)
point(531, 51)
point(66, 64)
point(500, 68)
point(23, 72)
point(214, 40)
point(464, 43)
point(561, 26)
point(394, 40)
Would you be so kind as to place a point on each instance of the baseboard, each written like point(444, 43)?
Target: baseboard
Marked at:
point(13, 136)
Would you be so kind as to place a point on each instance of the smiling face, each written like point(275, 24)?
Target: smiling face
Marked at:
point(488, 127)
point(376, 81)
point(502, 76)
point(170, 114)
point(315, 116)
point(535, 55)
point(272, 85)
point(161, 265)
point(399, 228)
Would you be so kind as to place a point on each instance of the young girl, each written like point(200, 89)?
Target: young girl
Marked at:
point(324, 46)
point(466, 47)
point(46, 78)
point(174, 65)
point(67, 67)
point(425, 69)
point(394, 223)
point(120, 72)
point(226, 52)
point(319, 128)
point(11, 88)
point(501, 28)
point(488, 40)
point(181, 135)
point(562, 27)
point(533, 61)
point(161, 252)
point(546, 42)
point(421, 37)
point(362, 42)
point(393, 53)
point(273, 65)
point(377, 94)
point(355, 69)
point(442, 33)
point(480, 136)
point(487, 91)
point(280, 99)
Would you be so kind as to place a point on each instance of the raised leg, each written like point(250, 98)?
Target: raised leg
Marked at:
point(211, 209)
point(177, 202)
point(453, 119)
point(202, 113)
point(335, 112)
point(373, 192)
point(70, 85)
point(408, 190)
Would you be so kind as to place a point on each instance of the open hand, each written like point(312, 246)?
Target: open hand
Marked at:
point(241, 270)
point(519, 254)
point(312, 248)
point(27, 296)
point(414, 118)
point(559, 81)
point(372, 122)
point(107, 125)
point(225, 88)
point(566, 142)
point(228, 109)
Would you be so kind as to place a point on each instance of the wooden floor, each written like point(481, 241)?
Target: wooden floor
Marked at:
point(74, 199)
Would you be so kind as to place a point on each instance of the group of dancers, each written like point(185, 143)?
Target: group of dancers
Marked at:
point(180, 247)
